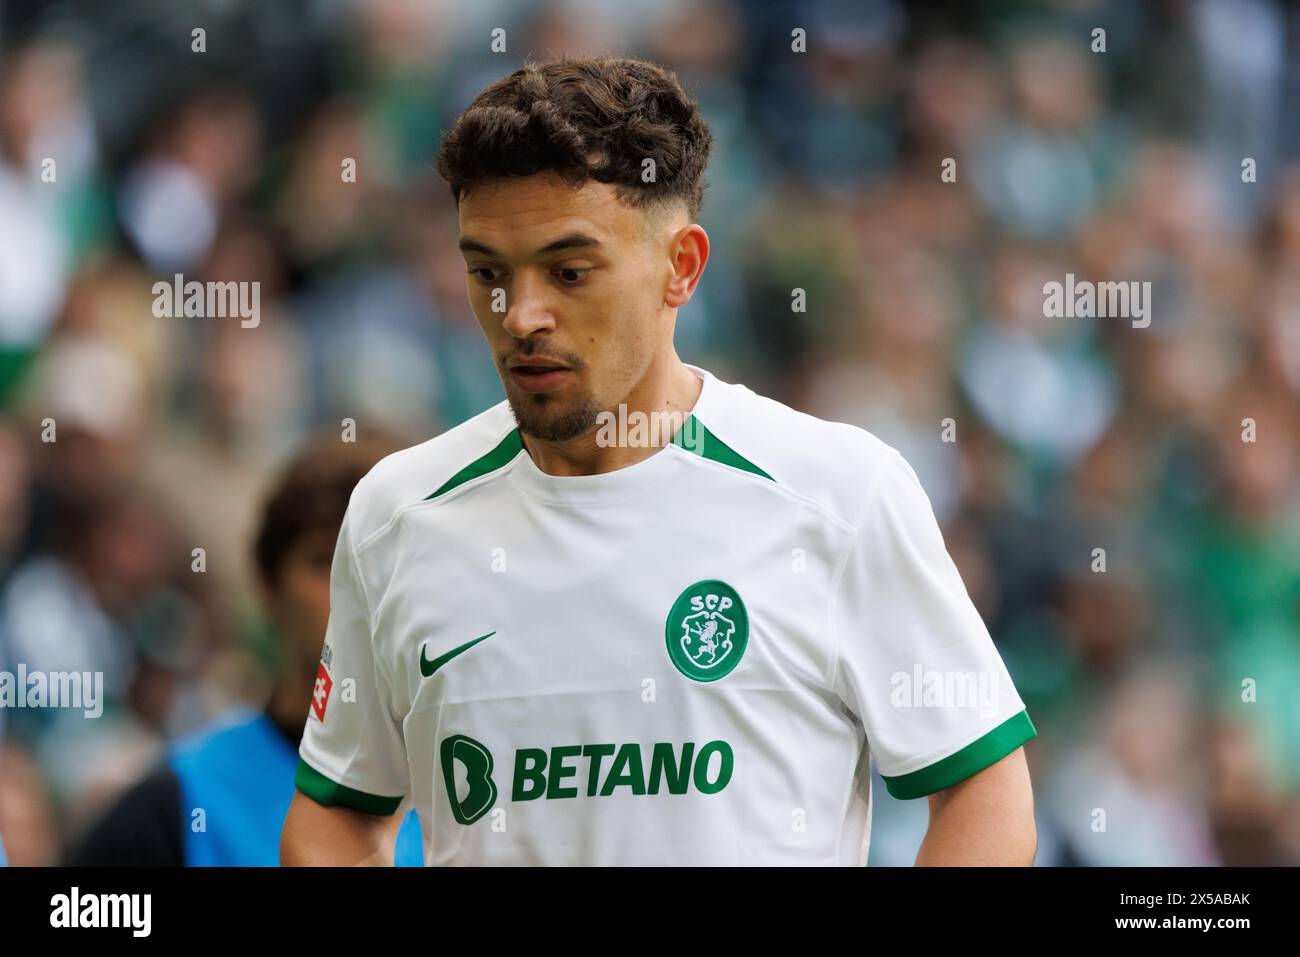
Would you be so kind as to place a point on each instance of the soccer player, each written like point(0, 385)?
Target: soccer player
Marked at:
point(221, 795)
point(636, 614)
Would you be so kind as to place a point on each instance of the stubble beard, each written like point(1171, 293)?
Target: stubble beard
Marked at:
point(537, 416)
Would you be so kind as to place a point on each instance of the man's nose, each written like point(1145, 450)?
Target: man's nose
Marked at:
point(529, 306)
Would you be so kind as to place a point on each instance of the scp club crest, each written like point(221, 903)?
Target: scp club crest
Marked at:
point(707, 630)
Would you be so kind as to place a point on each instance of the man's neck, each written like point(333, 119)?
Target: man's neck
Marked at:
point(662, 400)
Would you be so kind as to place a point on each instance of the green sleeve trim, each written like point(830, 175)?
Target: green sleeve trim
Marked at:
point(331, 794)
point(976, 756)
point(499, 457)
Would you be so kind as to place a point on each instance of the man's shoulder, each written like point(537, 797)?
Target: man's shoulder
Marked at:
point(413, 474)
point(833, 464)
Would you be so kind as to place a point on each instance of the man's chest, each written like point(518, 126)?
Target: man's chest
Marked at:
point(563, 605)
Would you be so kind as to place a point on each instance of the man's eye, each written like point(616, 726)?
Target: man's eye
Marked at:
point(478, 273)
point(572, 274)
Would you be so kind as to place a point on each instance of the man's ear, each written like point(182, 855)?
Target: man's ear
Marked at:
point(268, 599)
point(689, 253)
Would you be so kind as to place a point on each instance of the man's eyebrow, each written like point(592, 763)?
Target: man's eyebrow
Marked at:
point(571, 241)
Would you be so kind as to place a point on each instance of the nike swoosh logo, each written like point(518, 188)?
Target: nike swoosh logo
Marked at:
point(427, 667)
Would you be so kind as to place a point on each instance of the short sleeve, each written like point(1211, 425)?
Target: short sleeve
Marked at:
point(915, 662)
point(352, 752)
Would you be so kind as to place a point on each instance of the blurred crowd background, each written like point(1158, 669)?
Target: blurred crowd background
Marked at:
point(925, 302)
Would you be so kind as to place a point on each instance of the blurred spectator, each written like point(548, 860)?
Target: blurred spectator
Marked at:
point(221, 796)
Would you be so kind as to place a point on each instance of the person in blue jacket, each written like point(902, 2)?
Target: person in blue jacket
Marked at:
point(221, 795)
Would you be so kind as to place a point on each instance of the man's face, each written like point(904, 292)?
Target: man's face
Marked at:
point(568, 286)
point(300, 601)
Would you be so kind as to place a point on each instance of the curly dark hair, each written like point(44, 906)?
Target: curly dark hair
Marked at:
point(311, 494)
point(590, 118)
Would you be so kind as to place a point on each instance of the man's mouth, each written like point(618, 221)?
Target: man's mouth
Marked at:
point(539, 376)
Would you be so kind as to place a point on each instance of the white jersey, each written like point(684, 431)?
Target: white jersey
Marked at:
point(691, 660)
